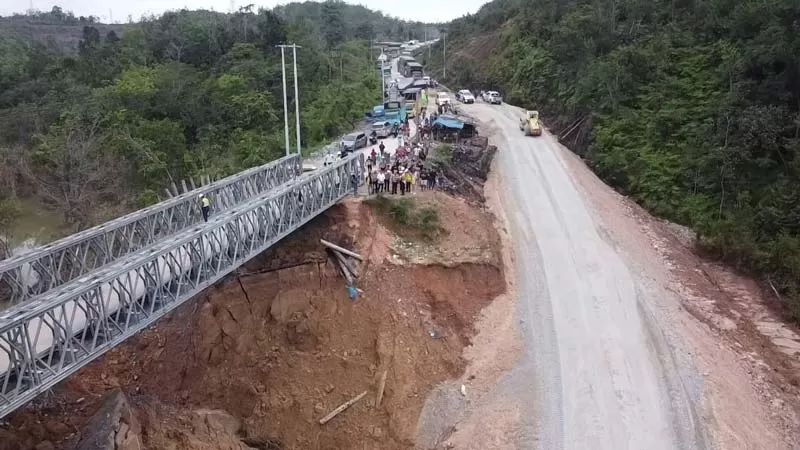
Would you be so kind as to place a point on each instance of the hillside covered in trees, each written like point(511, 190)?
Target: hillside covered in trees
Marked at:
point(103, 128)
point(692, 108)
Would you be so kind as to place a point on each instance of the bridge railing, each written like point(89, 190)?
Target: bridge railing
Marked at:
point(47, 339)
point(46, 267)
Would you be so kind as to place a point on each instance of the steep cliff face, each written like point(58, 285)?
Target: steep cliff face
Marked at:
point(257, 360)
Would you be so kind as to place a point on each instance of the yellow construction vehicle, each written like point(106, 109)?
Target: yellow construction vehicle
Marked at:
point(529, 123)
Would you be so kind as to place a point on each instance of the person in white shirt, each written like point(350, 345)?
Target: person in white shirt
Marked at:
point(381, 180)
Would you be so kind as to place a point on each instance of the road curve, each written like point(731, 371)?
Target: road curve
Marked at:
point(595, 364)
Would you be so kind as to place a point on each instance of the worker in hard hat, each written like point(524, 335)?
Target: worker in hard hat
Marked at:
point(206, 206)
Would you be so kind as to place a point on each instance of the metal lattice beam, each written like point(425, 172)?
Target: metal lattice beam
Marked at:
point(44, 341)
point(47, 267)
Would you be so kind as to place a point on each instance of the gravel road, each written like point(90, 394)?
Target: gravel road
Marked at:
point(598, 373)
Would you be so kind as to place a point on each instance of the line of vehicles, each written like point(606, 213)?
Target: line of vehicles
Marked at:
point(491, 97)
point(529, 123)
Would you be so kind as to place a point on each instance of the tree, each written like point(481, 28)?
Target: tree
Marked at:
point(333, 24)
point(71, 170)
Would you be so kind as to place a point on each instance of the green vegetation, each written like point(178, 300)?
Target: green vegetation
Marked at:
point(407, 217)
point(103, 128)
point(692, 108)
point(442, 155)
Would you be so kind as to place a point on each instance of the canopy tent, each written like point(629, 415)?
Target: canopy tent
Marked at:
point(448, 122)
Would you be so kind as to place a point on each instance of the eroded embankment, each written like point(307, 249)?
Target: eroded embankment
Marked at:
point(256, 361)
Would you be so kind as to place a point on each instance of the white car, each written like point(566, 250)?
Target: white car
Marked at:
point(465, 96)
point(442, 98)
point(492, 97)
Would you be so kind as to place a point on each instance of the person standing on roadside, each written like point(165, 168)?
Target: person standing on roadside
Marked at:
point(408, 177)
point(395, 180)
point(382, 147)
point(354, 181)
point(205, 206)
point(386, 177)
point(381, 178)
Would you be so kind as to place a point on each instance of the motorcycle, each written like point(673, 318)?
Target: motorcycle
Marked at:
point(373, 138)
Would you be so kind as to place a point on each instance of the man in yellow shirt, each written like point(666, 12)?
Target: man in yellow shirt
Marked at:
point(206, 206)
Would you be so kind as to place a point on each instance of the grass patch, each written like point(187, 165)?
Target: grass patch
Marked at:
point(407, 218)
point(442, 155)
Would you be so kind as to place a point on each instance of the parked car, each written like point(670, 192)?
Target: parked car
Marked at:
point(382, 129)
point(492, 97)
point(465, 96)
point(354, 141)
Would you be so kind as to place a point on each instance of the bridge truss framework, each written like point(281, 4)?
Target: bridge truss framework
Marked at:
point(32, 369)
point(34, 273)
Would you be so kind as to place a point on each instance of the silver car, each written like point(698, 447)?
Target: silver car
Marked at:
point(493, 97)
point(382, 129)
point(354, 141)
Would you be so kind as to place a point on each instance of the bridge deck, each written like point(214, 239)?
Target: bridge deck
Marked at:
point(34, 273)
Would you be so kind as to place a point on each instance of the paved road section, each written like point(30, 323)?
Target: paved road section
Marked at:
point(594, 366)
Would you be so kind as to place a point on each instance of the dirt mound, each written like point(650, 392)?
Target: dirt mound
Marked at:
point(259, 359)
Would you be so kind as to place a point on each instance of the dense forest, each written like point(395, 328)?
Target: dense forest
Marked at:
point(690, 107)
point(102, 128)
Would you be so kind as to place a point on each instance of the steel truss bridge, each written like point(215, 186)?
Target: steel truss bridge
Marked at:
point(52, 335)
point(47, 267)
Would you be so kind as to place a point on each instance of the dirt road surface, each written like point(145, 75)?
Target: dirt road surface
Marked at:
point(598, 371)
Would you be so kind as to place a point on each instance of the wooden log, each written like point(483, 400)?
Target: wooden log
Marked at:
point(191, 181)
point(343, 260)
point(381, 387)
point(183, 184)
point(341, 249)
point(341, 408)
point(169, 194)
point(345, 272)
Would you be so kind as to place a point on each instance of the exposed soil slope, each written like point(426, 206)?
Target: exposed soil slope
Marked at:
point(258, 360)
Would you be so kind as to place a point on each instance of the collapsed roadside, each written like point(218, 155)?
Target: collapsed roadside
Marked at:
point(257, 360)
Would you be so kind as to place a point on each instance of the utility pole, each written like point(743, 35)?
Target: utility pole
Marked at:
point(296, 96)
point(285, 106)
point(428, 44)
point(444, 57)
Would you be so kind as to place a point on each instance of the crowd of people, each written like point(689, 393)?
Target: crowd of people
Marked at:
point(403, 172)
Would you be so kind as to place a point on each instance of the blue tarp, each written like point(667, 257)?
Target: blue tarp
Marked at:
point(449, 123)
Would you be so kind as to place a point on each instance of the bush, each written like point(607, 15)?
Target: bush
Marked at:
point(402, 211)
point(442, 154)
point(429, 223)
point(406, 219)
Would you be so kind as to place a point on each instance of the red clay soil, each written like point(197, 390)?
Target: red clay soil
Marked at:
point(281, 349)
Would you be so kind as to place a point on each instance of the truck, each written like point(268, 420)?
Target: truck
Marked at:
point(413, 70)
point(442, 98)
point(530, 124)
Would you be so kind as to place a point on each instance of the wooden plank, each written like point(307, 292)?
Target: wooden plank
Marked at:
point(341, 408)
point(342, 250)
